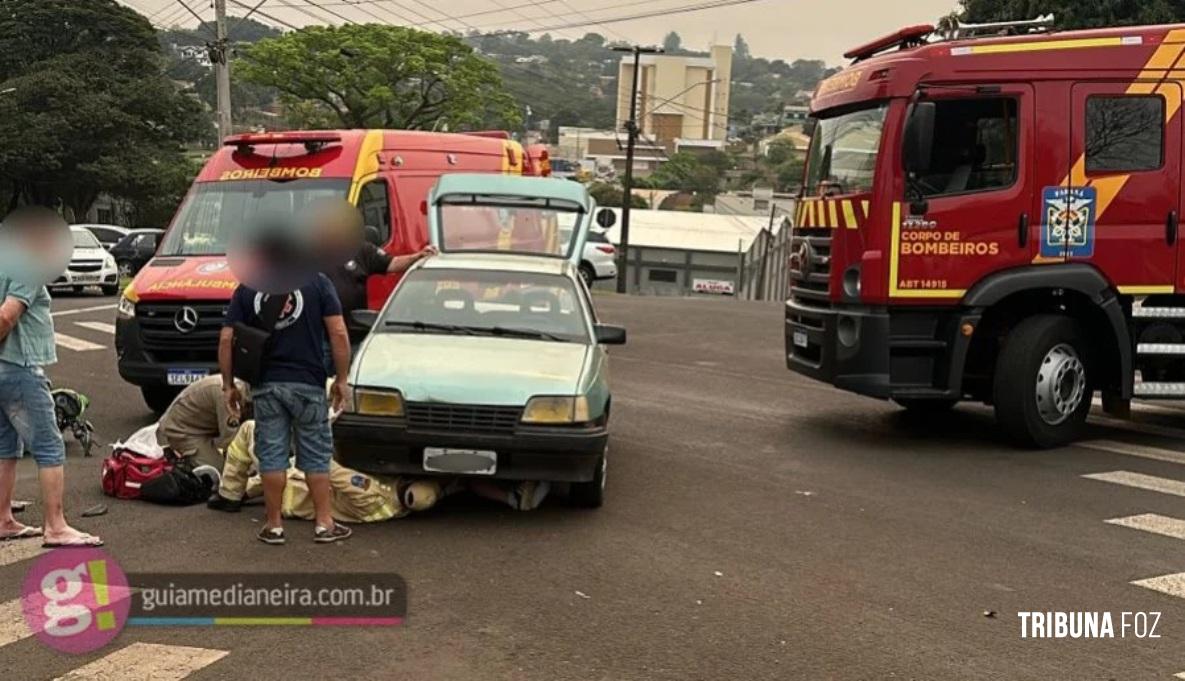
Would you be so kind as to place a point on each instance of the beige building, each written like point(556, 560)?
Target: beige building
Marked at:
point(682, 101)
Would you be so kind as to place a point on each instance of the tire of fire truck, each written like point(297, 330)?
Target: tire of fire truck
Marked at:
point(924, 406)
point(1041, 388)
point(158, 397)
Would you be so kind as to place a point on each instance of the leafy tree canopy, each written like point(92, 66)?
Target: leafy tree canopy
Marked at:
point(370, 75)
point(1076, 13)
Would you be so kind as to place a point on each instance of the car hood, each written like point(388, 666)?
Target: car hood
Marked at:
point(470, 369)
point(185, 278)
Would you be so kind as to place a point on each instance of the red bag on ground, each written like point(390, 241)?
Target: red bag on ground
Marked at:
point(125, 472)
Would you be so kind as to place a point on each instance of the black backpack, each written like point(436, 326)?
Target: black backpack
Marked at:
point(178, 486)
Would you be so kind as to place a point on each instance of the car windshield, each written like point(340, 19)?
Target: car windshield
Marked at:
point(484, 224)
point(842, 155)
point(84, 239)
point(488, 303)
point(214, 210)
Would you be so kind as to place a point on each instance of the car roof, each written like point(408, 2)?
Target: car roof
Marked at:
point(489, 184)
point(531, 264)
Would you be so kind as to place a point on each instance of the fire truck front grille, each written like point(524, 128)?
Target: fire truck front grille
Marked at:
point(185, 331)
point(810, 266)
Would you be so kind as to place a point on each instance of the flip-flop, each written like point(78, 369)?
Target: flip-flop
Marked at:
point(26, 532)
point(84, 540)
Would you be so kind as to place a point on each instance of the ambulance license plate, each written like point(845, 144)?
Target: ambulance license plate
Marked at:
point(186, 376)
point(800, 339)
point(462, 461)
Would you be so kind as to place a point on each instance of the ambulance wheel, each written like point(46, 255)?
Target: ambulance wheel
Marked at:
point(924, 406)
point(1041, 388)
point(157, 397)
point(591, 494)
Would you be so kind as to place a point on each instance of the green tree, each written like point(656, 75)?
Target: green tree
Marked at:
point(690, 173)
point(372, 76)
point(1076, 13)
point(610, 196)
point(741, 48)
point(672, 42)
point(91, 110)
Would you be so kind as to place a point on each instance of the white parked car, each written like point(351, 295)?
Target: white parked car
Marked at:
point(90, 265)
point(599, 260)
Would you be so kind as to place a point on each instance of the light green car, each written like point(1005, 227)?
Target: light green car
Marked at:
point(488, 359)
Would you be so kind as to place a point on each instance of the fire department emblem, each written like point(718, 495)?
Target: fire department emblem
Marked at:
point(1068, 227)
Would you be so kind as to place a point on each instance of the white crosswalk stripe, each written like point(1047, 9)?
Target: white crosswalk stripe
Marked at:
point(1154, 523)
point(1141, 481)
point(76, 344)
point(20, 549)
point(1173, 585)
point(1142, 451)
point(12, 623)
point(101, 327)
point(83, 310)
point(147, 661)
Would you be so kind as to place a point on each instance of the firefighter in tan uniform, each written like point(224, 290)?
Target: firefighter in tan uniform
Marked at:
point(197, 424)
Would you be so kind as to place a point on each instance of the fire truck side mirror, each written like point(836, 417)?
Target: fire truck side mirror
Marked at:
point(918, 140)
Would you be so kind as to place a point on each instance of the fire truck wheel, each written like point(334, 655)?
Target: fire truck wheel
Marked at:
point(924, 406)
point(1041, 388)
point(158, 398)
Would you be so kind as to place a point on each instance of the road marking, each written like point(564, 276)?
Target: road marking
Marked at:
point(1173, 585)
point(1154, 523)
point(1154, 453)
point(1141, 481)
point(20, 549)
point(102, 327)
point(1139, 427)
point(12, 623)
point(84, 310)
point(73, 343)
point(147, 661)
point(1149, 407)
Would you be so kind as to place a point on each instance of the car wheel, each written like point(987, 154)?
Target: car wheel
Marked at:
point(1041, 389)
point(78, 289)
point(158, 397)
point(587, 274)
point(111, 290)
point(591, 494)
point(125, 269)
point(924, 406)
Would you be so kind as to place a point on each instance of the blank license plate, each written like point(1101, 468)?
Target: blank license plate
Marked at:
point(800, 339)
point(186, 376)
point(467, 461)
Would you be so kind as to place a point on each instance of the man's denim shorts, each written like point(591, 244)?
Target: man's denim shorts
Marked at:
point(27, 416)
point(287, 414)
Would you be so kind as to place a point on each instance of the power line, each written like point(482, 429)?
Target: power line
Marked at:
point(608, 28)
point(644, 15)
point(266, 15)
point(327, 11)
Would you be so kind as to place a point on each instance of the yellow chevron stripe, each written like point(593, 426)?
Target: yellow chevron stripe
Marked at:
point(832, 214)
point(849, 215)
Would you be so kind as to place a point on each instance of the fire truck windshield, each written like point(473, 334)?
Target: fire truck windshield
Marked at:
point(214, 210)
point(842, 156)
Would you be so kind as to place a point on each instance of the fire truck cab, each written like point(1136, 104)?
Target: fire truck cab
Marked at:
point(171, 314)
point(996, 219)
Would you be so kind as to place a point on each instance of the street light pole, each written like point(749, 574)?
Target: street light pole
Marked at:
point(220, 55)
point(632, 129)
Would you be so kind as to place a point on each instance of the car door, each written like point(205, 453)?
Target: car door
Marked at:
point(1121, 208)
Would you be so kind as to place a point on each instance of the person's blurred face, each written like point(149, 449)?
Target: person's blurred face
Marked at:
point(35, 246)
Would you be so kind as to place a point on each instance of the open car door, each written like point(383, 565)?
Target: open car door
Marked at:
point(509, 214)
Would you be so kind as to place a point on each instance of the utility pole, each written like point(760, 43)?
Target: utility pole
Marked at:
point(220, 55)
point(632, 129)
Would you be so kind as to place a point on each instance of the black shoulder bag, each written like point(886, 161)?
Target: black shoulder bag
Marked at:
point(250, 340)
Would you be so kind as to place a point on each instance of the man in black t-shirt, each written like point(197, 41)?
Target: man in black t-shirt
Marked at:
point(349, 280)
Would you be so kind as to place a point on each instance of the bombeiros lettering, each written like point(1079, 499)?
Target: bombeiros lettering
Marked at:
point(270, 174)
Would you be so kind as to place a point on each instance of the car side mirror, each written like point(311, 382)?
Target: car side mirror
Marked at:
point(367, 318)
point(606, 218)
point(607, 334)
point(373, 236)
point(918, 138)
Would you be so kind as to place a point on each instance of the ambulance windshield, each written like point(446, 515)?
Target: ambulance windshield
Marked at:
point(842, 156)
point(214, 210)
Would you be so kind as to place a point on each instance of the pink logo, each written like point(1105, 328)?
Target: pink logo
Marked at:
point(75, 600)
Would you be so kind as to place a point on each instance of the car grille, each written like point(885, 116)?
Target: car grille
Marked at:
point(86, 265)
point(162, 338)
point(462, 417)
point(810, 268)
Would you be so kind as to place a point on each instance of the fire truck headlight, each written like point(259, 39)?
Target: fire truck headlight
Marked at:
point(851, 283)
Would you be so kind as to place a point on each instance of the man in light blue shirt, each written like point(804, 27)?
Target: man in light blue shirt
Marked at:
point(26, 346)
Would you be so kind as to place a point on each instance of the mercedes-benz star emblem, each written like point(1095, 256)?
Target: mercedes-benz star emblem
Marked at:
point(186, 319)
point(802, 259)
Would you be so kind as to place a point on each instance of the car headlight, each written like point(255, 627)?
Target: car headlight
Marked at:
point(109, 262)
point(556, 410)
point(377, 402)
point(127, 307)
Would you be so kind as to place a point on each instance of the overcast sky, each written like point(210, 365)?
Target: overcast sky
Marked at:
point(785, 29)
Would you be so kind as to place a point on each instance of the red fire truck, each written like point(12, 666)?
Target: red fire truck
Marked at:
point(995, 218)
point(170, 315)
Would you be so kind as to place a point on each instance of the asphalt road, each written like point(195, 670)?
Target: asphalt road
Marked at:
point(758, 526)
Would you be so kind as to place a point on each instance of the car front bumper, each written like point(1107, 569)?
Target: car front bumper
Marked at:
point(106, 276)
point(385, 446)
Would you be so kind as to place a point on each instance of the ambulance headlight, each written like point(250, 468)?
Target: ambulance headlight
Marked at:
point(371, 402)
point(556, 410)
point(127, 307)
